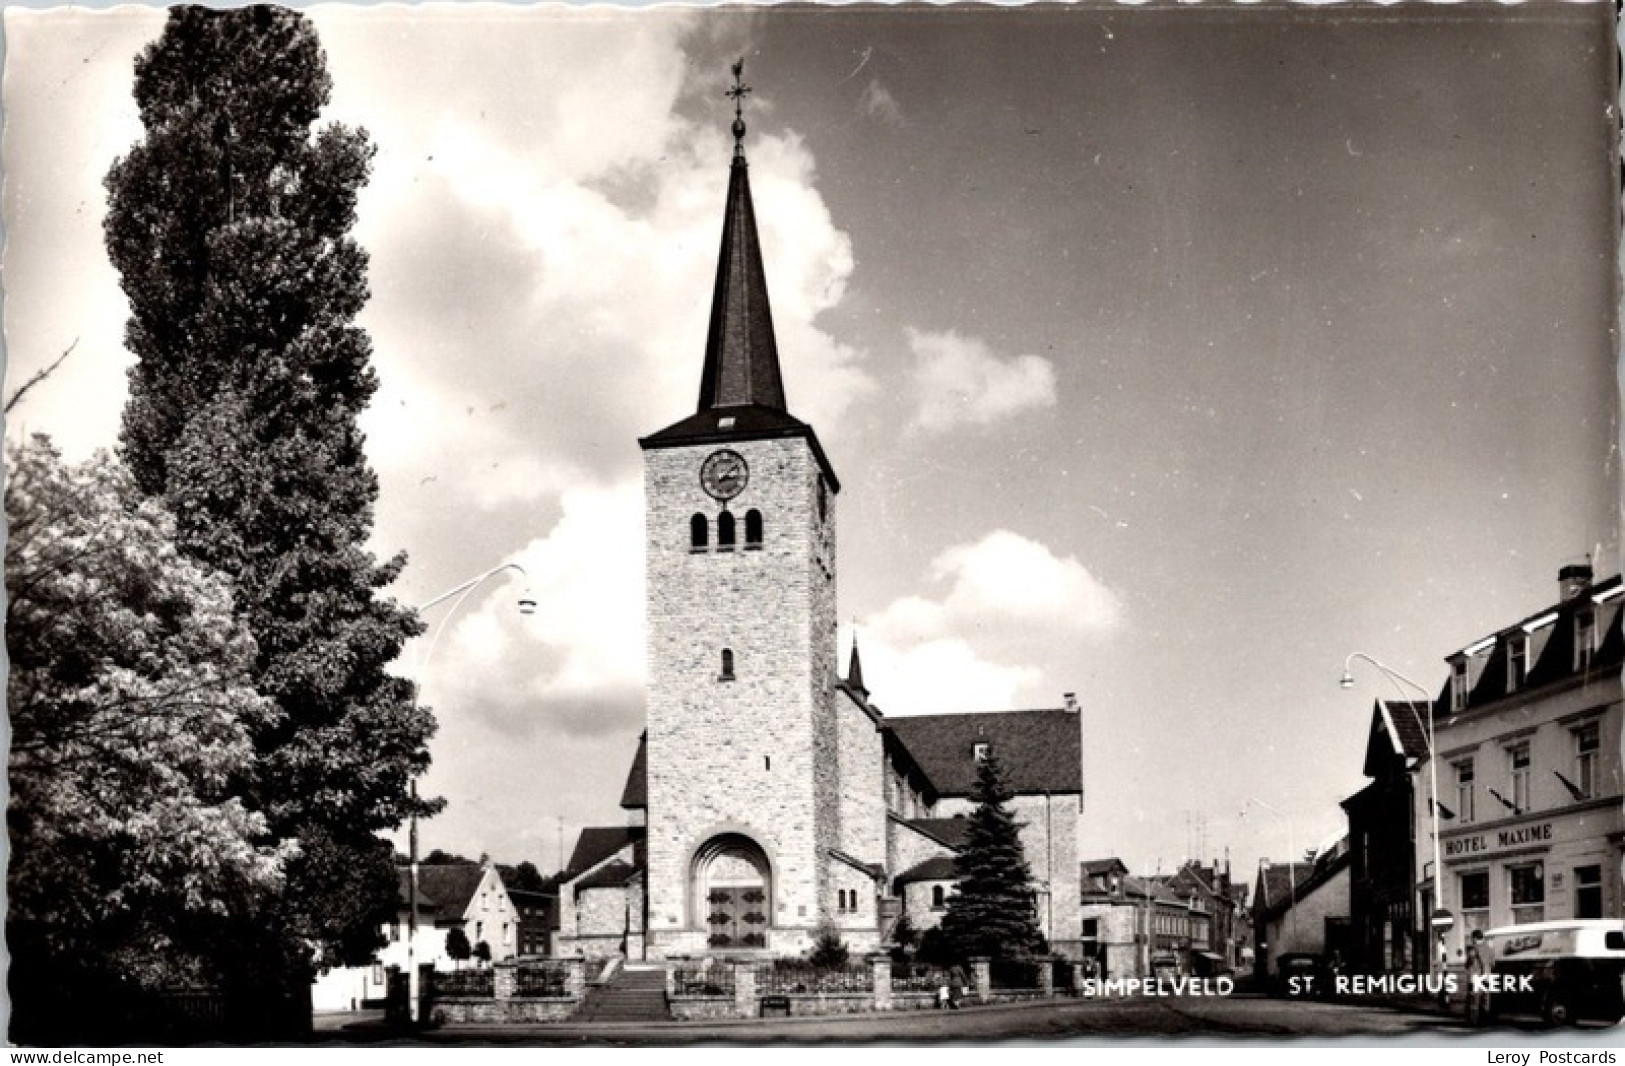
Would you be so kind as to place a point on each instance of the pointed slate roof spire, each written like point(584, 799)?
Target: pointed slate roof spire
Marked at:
point(741, 354)
point(854, 669)
point(741, 390)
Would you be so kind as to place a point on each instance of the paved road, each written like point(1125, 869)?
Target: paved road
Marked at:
point(1233, 1016)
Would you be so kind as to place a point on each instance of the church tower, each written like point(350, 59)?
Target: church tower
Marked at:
point(740, 543)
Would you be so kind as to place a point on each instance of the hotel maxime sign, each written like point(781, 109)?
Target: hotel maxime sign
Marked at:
point(1511, 837)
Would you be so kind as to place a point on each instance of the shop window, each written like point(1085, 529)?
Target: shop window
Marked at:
point(699, 533)
point(1588, 891)
point(1475, 891)
point(1528, 887)
point(1518, 766)
point(753, 528)
point(725, 531)
point(1585, 759)
point(1464, 790)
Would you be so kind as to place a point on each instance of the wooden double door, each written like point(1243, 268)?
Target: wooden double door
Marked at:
point(737, 916)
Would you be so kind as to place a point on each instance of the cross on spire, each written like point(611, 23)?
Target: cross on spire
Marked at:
point(737, 94)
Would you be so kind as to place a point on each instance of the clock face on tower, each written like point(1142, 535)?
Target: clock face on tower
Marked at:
point(723, 474)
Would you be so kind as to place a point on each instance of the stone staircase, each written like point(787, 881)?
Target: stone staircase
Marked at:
point(637, 993)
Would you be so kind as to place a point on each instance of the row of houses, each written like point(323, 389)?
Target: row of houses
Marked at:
point(476, 899)
point(1497, 802)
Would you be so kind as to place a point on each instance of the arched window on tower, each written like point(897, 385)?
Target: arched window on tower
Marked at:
point(725, 531)
point(727, 665)
point(699, 533)
point(753, 528)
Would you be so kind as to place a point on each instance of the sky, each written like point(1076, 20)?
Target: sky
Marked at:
point(1166, 356)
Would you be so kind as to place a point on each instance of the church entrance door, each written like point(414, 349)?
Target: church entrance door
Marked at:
point(732, 878)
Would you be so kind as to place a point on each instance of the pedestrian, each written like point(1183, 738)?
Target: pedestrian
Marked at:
point(943, 999)
point(1478, 966)
point(1444, 969)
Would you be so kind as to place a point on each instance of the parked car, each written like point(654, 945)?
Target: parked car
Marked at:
point(1562, 972)
point(1301, 974)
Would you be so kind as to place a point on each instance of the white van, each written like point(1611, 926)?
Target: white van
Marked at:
point(1562, 971)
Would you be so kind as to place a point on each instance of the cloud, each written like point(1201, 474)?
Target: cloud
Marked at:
point(1007, 597)
point(878, 102)
point(575, 666)
point(960, 381)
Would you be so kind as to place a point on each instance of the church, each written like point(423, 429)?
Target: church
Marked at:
point(769, 798)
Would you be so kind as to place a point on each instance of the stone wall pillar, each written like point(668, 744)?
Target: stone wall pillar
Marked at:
point(745, 989)
point(880, 974)
point(504, 980)
point(981, 971)
point(1046, 975)
point(575, 977)
point(1077, 978)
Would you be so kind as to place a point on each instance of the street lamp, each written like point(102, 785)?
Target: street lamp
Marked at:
point(527, 606)
point(1291, 867)
point(1396, 678)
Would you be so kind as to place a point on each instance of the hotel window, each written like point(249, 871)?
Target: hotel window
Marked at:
point(1585, 759)
point(1588, 891)
point(1517, 662)
point(1475, 900)
point(1518, 762)
point(1464, 790)
point(1458, 685)
point(1528, 884)
point(1585, 639)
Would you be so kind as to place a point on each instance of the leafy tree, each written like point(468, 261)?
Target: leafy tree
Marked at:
point(457, 946)
point(992, 913)
point(131, 714)
point(524, 877)
point(482, 951)
point(444, 858)
point(228, 224)
point(905, 938)
point(829, 950)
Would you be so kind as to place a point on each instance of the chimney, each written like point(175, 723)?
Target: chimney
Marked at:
point(1071, 699)
point(1573, 580)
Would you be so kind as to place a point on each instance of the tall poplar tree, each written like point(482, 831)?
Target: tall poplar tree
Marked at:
point(993, 911)
point(229, 225)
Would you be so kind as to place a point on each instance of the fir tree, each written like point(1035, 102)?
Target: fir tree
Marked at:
point(228, 224)
point(992, 913)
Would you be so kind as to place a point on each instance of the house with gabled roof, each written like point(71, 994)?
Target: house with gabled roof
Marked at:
point(1302, 908)
point(770, 797)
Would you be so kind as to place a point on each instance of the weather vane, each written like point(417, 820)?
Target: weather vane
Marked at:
point(737, 94)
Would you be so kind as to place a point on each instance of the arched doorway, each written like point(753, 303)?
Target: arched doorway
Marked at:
point(733, 890)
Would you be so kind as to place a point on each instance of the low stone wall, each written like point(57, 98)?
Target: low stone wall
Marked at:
point(480, 1011)
point(702, 1008)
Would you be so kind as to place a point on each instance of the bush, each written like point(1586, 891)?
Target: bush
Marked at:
point(829, 951)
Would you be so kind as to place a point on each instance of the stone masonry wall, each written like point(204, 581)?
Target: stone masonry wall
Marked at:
point(738, 755)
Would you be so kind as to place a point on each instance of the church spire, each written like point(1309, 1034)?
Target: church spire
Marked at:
point(741, 355)
point(854, 669)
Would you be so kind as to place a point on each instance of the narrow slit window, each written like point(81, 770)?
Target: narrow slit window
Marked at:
point(727, 665)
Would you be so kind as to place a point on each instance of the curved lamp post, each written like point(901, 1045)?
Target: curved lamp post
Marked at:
point(1397, 679)
point(527, 605)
